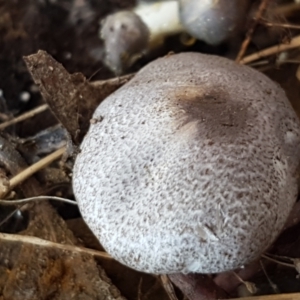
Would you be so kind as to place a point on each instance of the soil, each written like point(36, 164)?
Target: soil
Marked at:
point(68, 33)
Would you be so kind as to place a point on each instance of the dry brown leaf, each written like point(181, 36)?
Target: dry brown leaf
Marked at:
point(71, 98)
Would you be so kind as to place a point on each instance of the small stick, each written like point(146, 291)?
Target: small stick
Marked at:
point(295, 42)
point(271, 283)
point(262, 8)
point(34, 241)
point(29, 199)
point(278, 261)
point(25, 174)
point(24, 116)
point(270, 24)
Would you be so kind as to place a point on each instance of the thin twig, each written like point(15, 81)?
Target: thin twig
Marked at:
point(278, 262)
point(26, 200)
point(262, 8)
point(10, 215)
point(270, 24)
point(31, 240)
point(25, 174)
point(271, 283)
point(24, 116)
point(275, 256)
point(295, 42)
point(36, 167)
point(296, 261)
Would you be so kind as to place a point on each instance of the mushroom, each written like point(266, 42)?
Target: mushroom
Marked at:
point(127, 35)
point(212, 21)
point(191, 167)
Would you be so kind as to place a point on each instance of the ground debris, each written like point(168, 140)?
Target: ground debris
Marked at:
point(72, 98)
point(30, 271)
point(34, 272)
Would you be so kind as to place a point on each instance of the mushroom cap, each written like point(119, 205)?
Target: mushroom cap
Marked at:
point(212, 21)
point(125, 36)
point(191, 166)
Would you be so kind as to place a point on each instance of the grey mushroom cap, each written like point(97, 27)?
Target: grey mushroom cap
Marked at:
point(125, 37)
point(213, 21)
point(191, 166)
